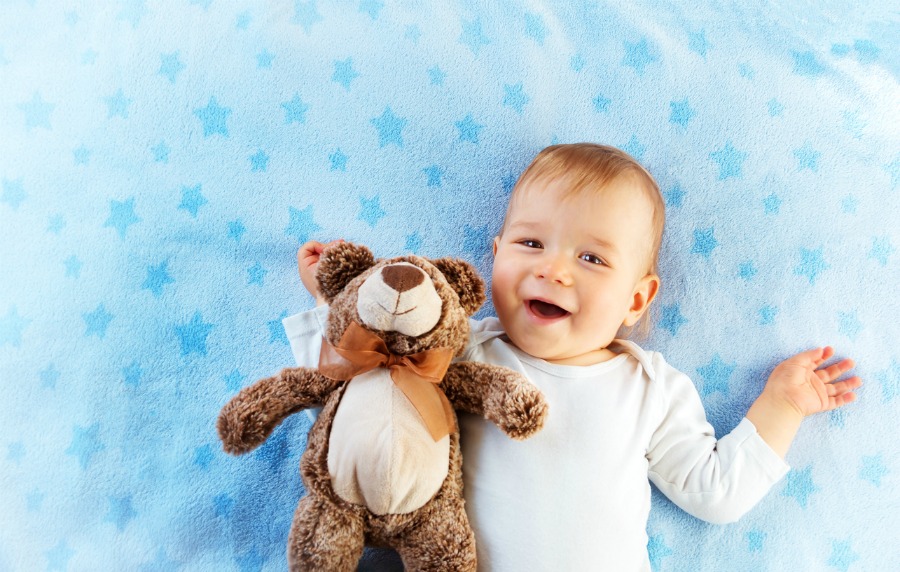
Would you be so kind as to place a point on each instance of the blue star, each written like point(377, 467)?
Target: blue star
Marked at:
point(747, 270)
point(866, 51)
point(634, 147)
point(193, 334)
point(704, 242)
point(338, 160)
point(436, 75)
point(476, 240)
point(671, 319)
point(805, 63)
point(842, 556)
point(34, 500)
point(157, 277)
point(853, 123)
point(413, 243)
point(121, 216)
point(890, 381)
point(214, 118)
point(203, 456)
point(807, 157)
point(120, 511)
point(638, 56)
point(715, 375)
point(13, 193)
point(434, 175)
point(413, 34)
point(800, 485)
point(264, 59)
point(730, 161)
point(170, 66)
point(236, 230)
point(223, 504)
point(849, 204)
point(601, 103)
point(256, 274)
point(243, 21)
point(50, 376)
point(468, 129)
point(234, 380)
point(812, 263)
point(881, 249)
point(577, 62)
point(132, 374)
point(276, 330)
point(37, 112)
point(305, 14)
point(191, 200)
point(840, 50)
point(344, 73)
point(681, 112)
point(58, 557)
point(744, 70)
point(697, 42)
point(767, 315)
point(259, 161)
point(11, 327)
point(133, 11)
point(473, 36)
point(873, 469)
point(755, 540)
point(370, 210)
point(117, 105)
point(73, 266)
point(97, 321)
point(301, 224)
point(371, 7)
point(515, 97)
point(674, 197)
point(849, 325)
point(85, 444)
point(390, 128)
point(161, 152)
point(772, 204)
point(775, 107)
point(657, 550)
point(837, 417)
point(82, 155)
point(535, 28)
point(15, 452)
point(295, 110)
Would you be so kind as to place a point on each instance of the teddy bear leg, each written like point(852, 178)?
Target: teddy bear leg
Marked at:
point(443, 540)
point(324, 537)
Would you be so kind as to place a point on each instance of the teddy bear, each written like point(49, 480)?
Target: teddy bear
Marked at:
point(382, 465)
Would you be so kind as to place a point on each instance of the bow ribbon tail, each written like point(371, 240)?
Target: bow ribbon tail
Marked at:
point(428, 400)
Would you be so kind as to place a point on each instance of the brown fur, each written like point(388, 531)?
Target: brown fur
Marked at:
point(328, 533)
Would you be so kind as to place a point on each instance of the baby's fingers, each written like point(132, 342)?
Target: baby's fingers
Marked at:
point(836, 370)
point(844, 387)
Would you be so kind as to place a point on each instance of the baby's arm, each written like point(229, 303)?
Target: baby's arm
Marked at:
point(798, 388)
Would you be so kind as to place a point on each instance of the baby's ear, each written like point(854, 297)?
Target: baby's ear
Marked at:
point(340, 264)
point(464, 280)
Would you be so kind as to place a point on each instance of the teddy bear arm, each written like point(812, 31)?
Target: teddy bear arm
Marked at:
point(498, 394)
point(253, 414)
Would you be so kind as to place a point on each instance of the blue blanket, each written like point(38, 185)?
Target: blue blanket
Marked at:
point(161, 160)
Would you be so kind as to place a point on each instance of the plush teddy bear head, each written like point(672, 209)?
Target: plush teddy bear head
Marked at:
point(412, 303)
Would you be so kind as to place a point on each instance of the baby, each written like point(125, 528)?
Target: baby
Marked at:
point(574, 266)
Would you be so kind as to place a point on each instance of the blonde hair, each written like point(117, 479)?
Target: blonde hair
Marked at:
point(588, 167)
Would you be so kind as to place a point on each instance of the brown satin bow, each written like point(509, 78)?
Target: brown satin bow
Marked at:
point(416, 375)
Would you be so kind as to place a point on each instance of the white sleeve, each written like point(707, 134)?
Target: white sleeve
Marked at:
point(304, 332)
point(717, 481)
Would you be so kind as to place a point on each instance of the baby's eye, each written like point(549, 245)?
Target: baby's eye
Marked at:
point(592, 258)
point(531, 243)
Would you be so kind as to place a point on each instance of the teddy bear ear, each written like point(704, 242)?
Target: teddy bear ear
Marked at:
point(465, 280)
point(340, 264)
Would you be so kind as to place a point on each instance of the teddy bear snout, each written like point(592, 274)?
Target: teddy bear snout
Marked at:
point(399, 298)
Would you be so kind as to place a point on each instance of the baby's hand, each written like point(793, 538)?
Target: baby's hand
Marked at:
point(799, 383)
point(308, 262)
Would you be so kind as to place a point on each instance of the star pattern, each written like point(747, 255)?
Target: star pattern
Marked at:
point(682, 112)
point(170, 66)
point(193, 334)
point(295, 110)
point(882, 249)
point(121, 511)
point(97, 322)
point(370, 210)
point(469, 129)
point(812, 264)
point(192, 199)
point(704, 242)
point(674, 196)
point(306, 15)
point(157, 278)
point(638, 55)
point(50, 376)
point(842, 555)
point(85, 444)
point(301, 223)
point(434, 174)
point(716, 375)
point(338, 160)
point(535, 28)
point(671, 319)
point(121, 216)
point(256, 274)
point(390, 128)
point(807, 64)
point(12, 325)
point(214, 118)
point(730, 161)
point(37, 112)
point(800, 485)
point(344, 73)
point(473, 36)
point(117, 105)
point(873, 469)
point(807, 157)
point(515, 97)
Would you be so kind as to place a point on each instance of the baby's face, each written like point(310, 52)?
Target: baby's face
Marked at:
point(569, 272)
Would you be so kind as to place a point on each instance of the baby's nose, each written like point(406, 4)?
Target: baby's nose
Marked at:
point(402, 277)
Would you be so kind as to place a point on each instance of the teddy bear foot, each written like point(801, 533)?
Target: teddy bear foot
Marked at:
point(324, 537)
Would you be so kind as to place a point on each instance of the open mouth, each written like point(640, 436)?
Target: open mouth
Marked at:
point(546, 310)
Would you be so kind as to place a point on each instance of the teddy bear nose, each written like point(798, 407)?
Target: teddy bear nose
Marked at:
point(402, 277)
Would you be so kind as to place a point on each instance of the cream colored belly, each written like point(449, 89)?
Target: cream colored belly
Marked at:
point(380, 453)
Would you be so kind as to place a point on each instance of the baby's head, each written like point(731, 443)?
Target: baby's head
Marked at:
point(576, 259)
